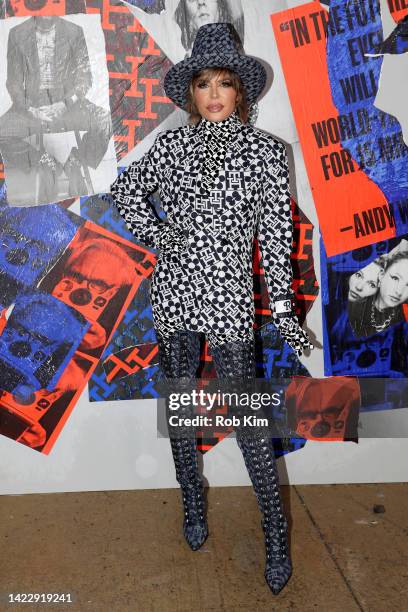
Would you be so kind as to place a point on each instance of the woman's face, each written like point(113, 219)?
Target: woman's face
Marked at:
point(215, 98)
point(200, 12)
point(364, 283)
point(394, 285)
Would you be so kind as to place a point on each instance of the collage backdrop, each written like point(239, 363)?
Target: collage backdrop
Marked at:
point(82, 96)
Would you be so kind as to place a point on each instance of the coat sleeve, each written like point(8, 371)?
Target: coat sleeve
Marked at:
point(275, 231)
point(16, 72)
point(130, 192)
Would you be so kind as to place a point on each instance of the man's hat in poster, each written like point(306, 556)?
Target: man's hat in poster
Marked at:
point(396, 43)
point(216, 45)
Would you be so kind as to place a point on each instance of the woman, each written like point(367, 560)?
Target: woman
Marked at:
point(364, 283)
point(384, 308)
point(219, 181)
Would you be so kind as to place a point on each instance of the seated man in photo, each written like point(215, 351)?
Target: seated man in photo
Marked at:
point(48, 78)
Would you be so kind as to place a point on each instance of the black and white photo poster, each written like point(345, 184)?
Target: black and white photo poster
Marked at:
point(55, 121)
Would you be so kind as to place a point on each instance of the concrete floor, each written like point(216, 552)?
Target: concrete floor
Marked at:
point(123, 551)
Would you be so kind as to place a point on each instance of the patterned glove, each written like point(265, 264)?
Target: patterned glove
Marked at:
point(171, 239)
point(292, 333)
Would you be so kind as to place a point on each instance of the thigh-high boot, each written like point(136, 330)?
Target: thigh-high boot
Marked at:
point(236, 360)
point(179, 357)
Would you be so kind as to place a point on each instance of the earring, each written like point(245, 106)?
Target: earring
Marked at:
point(253, 113)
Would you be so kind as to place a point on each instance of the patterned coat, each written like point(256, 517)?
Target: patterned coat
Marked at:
point(209, 285)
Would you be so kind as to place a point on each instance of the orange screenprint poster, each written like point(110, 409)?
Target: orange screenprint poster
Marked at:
point(91, 284)
point(346, 199)
point(41, 8)
point(23, 8)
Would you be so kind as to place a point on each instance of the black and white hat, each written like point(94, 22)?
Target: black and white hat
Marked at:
point(216, 45)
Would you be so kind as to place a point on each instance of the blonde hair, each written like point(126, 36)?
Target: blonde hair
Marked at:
point(209, 73)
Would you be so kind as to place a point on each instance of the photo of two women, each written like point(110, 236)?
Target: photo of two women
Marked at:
point(367, 310)
point(378, 292)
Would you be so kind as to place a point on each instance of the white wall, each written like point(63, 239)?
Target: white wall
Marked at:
point(114, 446)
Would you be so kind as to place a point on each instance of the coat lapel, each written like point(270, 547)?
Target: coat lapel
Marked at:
point(31, 49)
point(62, 47)
point(192, 146)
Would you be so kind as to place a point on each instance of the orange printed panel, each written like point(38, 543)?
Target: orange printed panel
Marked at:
point(130, 360)
point(344, 196)
point(94, 281)
point(398, 9)
point(136, 66)
point(23, 8)
point(29, 8)
point(324, 409)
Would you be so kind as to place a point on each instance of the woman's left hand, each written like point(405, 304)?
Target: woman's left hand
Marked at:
point(292, 333)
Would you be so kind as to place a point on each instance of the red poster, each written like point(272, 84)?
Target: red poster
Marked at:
point(345, 197)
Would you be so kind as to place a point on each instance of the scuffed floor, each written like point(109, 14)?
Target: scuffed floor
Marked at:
point(122, 551)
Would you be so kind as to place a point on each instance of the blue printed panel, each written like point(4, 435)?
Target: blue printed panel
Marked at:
point(278, 358)
point(359, 339)
point(372, 131)
point(149, 6)
point(32, 239)
point(37, 343)
point(383, 394)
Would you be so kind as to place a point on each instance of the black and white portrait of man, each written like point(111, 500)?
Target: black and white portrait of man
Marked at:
point(190, 15)
point(55, 124)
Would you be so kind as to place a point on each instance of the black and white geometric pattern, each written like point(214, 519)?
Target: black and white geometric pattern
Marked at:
point(171, 239)
point(292, 333)
point(208, 286)
point(216, 137)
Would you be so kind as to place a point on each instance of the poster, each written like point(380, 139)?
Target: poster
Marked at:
point(61, 319)
point(136, 65)
point(22, 8)
point(174, 29)
point(121, 68)
point(365, 302)
point(353, 145)
point(55, 122)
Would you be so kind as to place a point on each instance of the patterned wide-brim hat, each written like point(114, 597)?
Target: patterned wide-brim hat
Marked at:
point(396, 43)
point(216, 45)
